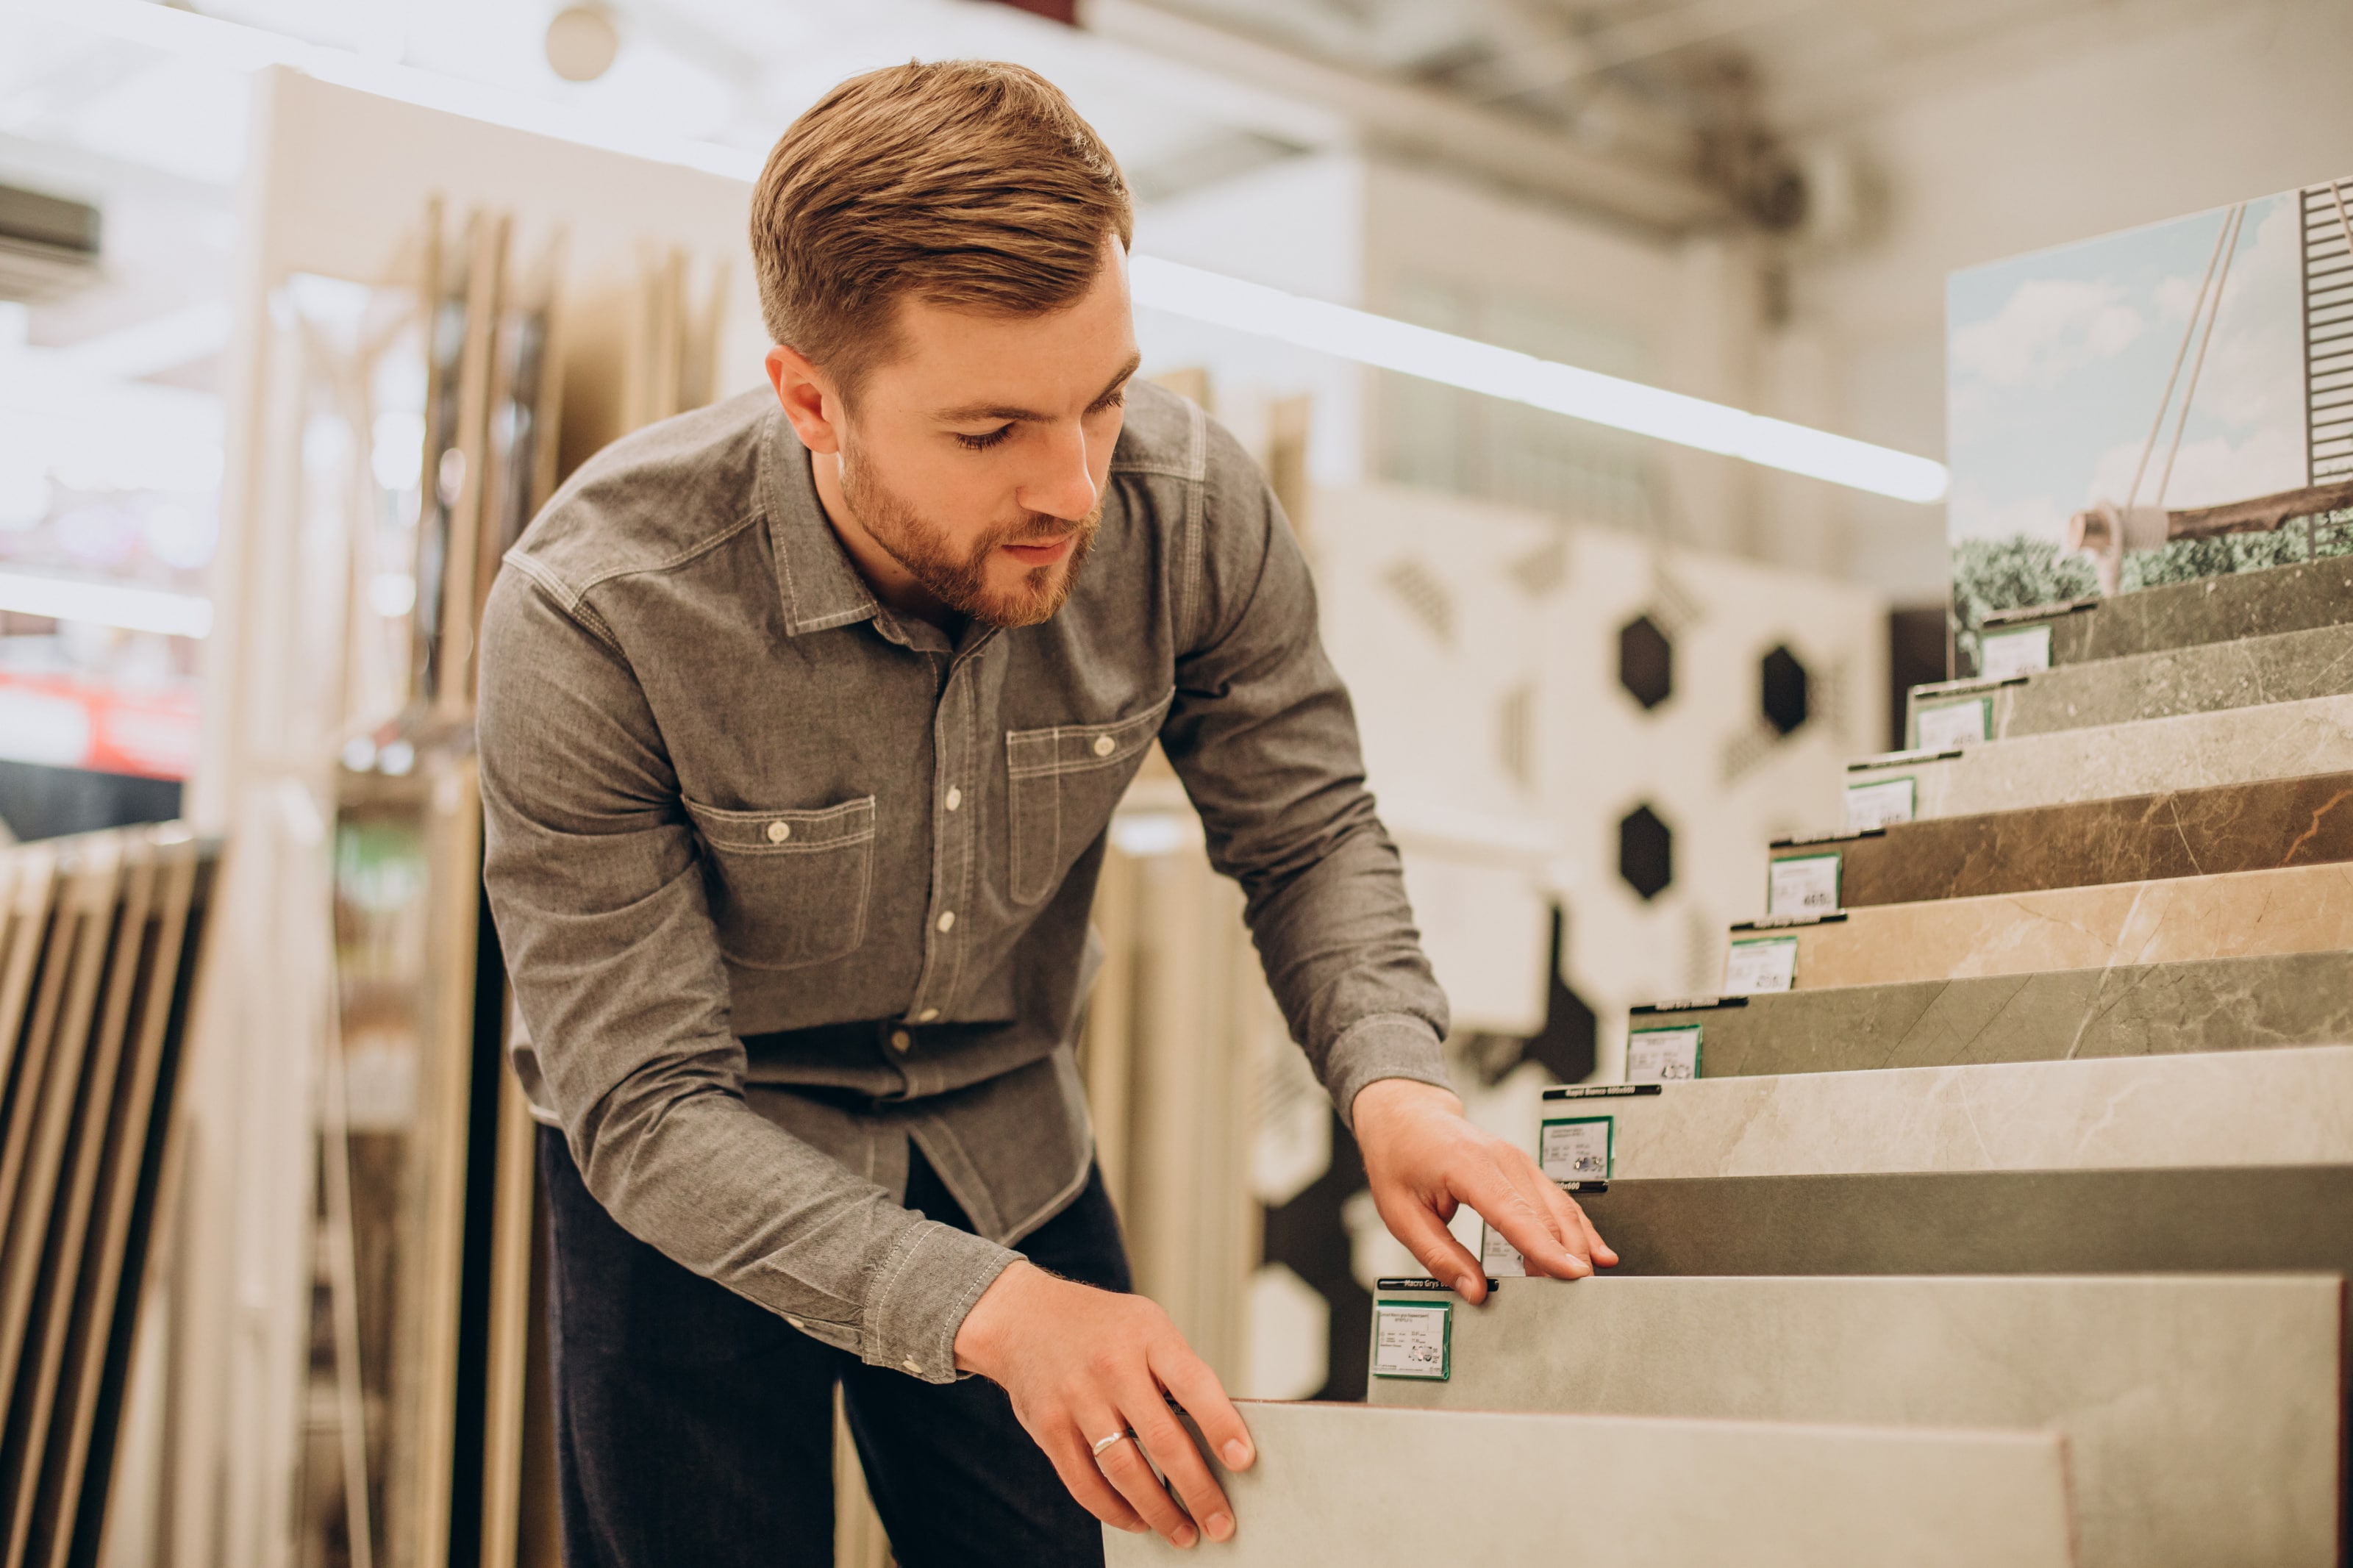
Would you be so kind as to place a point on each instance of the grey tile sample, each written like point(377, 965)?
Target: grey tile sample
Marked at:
point(2206, 610)
point(2288, 1106)
point(1409, 1488)
point(2124, 1365)
point(2145, 1009)
point(2234, 745)
point(2288, 667)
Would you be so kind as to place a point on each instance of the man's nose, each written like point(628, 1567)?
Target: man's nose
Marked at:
point(1061, 485)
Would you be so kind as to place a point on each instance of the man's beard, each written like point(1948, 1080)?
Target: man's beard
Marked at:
point(961, 582)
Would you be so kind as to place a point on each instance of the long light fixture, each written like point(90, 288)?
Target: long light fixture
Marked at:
point(1190, 291)
point(1587, 394)
point(106, 604)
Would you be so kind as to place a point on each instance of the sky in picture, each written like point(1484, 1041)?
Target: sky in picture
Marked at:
point(2055, 362)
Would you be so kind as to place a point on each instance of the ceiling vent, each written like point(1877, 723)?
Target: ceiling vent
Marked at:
point(47, 246)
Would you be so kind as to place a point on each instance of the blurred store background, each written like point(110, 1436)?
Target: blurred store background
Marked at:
point(306, 304)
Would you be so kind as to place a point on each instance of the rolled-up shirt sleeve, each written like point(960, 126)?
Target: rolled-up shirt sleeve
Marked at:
point(1263, 735)
point(601, 910)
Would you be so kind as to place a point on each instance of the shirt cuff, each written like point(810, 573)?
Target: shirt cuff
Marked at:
point(1387, 1044)
point(919, 1295)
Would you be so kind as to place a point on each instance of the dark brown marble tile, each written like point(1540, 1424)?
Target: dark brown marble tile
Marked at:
point(2261, 825)
point(2210, 609)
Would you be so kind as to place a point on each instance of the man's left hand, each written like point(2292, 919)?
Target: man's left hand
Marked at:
point(1425, 1161)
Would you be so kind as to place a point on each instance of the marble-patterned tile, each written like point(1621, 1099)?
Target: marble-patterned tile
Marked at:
point(2204, 610)
point(2249, 827)
point(2301, 909)
point(1407, 1488)
point(2130, 1010)
point(2234, 745)
point(2124, 1365)
point(2288, 1106)
point(2286, 666)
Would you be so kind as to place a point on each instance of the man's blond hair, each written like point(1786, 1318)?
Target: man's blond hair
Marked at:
point(968, 184)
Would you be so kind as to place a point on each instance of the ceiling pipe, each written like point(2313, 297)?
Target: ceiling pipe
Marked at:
point(1396, 115)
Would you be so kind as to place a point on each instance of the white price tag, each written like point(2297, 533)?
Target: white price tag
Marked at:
point(1803, 885)
point(2026, 651)
point(1662, 1056)
point(1760, 964)
point(1576, 1148)
point(1498, 1257)
point(1881, 805)
point(1951, 724)
point(1409, 1338)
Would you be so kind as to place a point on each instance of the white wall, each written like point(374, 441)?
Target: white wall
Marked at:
point(2187, 115)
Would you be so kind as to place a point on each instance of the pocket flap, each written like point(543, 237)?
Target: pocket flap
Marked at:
point(784, 832)
point(1072, 748)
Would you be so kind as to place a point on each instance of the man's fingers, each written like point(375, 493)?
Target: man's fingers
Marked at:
point(1196, 1388)
point(1525, 1225)
point(1171, 1447)
point(1086, 1483)
point(1124, 1465)
point(1446, 1260)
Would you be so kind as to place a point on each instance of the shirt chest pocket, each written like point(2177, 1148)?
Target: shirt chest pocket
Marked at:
point(788, 889)
point(1061, 785)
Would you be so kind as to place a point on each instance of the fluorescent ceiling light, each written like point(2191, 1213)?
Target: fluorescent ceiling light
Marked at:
point(106, 604)
point(1587, 394)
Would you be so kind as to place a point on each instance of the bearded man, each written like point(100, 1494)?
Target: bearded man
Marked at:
point(803, 718)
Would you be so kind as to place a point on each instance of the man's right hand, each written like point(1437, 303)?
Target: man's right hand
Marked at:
point(1081, 1363)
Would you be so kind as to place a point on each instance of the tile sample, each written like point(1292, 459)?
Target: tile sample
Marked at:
point(2145, 1009)
point(2249, 826)
point(2289, 1107)
point(2235, 745)
point(2123, 1365)
point(2301, 909)
point(1406, 1488)
point(2204, 610)
point(2287, 667)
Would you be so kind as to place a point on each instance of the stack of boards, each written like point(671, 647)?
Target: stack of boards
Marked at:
point(99, 942)
point(2022, 1173)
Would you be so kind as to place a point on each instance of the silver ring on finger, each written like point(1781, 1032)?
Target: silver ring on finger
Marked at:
point(1102, 1443)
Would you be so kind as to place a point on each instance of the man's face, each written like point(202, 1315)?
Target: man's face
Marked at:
point(976, 458)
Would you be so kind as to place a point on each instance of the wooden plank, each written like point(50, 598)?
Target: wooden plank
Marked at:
point(33, 873)
point(59, 1284)
point(516, 1174)
point(70, 1507)
point(47, 1082)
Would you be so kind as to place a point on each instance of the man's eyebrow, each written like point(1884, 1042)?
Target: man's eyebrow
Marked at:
point(976, 411)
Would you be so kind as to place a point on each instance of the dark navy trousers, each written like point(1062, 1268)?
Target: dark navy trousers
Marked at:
point(694, 1427)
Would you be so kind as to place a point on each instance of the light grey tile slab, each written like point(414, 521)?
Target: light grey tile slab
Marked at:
point(2288, 1106)
point(1409, 1489)
point(2235, 745)
point(2140, 1009)
point(2126, 1366)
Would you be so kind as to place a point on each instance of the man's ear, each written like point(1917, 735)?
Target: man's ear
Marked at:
point(809, 398)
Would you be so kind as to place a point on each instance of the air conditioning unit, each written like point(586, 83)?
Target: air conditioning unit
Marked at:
point(48, 245)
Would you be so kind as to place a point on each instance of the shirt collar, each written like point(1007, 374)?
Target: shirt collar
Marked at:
point(819, 585)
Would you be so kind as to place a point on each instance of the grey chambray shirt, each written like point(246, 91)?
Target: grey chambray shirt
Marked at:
point(785, 879)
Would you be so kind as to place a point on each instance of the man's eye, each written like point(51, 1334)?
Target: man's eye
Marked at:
point(983, 442)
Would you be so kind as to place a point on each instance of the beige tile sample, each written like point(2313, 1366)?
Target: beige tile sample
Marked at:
point(2293, 1106)
point(2193, 750)
point(2247, 1368)
point(2294, 908)
point(1408, 1488)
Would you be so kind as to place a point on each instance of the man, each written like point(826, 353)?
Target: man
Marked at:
point(803, 718)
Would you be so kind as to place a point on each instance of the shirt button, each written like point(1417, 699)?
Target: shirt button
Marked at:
point(927, 1014)
point(901, 1040)
point(947, 920)
point(1106, 745)
point(955, 797)
point(913, 1365)
point(795, 1321)
point(779, 831)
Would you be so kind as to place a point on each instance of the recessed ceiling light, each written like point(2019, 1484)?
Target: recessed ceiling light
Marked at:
point(581, 42)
